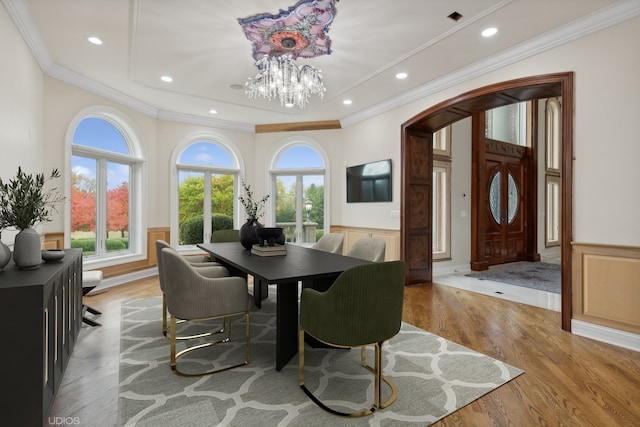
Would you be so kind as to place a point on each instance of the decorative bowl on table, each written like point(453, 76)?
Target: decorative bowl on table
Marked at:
point(52, 255)
point(269, 236)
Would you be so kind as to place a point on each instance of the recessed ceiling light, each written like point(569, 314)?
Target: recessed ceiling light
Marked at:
point(167, 79)
point(347, 102)
point(488, 32)
point(236, 86)
point(94, 40)
point(401, 76)
point(212, 111)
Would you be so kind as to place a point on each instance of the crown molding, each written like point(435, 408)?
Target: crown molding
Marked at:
point(80, 81)
point(205, 121)
point(19, 13)
point(617, 13)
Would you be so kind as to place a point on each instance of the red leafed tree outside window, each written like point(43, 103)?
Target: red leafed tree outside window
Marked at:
point(118, 209)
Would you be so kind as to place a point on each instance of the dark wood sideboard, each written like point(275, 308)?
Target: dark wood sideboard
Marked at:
point(40, 319)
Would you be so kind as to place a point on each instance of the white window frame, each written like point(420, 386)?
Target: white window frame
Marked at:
point(176, 167)
point(273, 172)
point(441, 215)
point(441, 210)
point(552, 219)
point(553, 172)
point(136, 161)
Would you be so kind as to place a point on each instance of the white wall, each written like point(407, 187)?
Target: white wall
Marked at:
point(374, 139)
point(460, 200)
point(21, 100)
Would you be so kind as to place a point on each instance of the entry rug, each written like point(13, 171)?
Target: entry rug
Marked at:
point(542, 276)
point(435, 377)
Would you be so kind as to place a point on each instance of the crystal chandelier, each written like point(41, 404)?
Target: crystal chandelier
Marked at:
point(280, 77)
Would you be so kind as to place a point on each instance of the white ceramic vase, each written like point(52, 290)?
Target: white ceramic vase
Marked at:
point(27, 251)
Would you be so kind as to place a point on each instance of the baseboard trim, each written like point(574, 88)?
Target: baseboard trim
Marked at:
point(604, 334)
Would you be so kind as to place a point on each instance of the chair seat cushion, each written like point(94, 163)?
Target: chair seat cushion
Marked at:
point(91, 278)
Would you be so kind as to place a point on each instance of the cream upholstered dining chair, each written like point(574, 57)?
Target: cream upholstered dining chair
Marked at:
point(330, 242)
point(207, 268)
point(363, 307)
point(193, 297)
point(369, 248)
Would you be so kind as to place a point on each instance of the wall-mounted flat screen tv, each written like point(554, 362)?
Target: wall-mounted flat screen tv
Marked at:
point(370, 182)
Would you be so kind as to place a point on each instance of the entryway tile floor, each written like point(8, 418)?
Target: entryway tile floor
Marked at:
point(542, 299)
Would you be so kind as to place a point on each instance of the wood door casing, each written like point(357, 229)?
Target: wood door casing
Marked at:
point(416, 220)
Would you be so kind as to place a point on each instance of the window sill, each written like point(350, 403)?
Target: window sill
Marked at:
point(91, 264)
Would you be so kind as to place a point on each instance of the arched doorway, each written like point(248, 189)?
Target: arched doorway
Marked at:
point(417, 168)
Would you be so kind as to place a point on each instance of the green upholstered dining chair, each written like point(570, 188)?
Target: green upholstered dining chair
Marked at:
point(330, 242)
point(369, 248)
point(207, 268)
point(193, 297)
point(363, 307)
point(220, 236)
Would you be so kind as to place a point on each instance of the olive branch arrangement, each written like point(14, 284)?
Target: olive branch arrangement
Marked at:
point(252, 209)
point(24, 202)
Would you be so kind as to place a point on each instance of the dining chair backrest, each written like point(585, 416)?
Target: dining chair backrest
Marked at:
point(330, 242)
point(369, 248)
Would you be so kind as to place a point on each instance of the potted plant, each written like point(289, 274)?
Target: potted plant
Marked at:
point(253, 209)
point(24, 203)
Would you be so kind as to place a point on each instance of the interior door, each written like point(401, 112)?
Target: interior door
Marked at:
point(505, 237)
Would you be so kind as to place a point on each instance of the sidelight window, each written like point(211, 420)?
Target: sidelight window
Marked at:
point(441, 215)
point(553, 142)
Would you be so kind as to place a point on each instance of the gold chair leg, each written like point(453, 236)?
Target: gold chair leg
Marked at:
point(378, 378)
point(377, 371)
point(227, 323)
point(165, 313)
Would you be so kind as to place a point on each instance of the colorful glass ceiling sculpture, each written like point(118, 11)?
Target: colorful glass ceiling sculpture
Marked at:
point(300, 31)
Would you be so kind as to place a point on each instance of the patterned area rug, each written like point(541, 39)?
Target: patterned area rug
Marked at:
point(435, 377)
point(542, 276)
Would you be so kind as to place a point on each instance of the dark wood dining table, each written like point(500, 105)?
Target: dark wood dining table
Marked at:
point(312, 267)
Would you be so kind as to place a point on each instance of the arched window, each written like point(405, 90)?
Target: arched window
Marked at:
point(206, 189)
point(106, 218)
point(299, 180)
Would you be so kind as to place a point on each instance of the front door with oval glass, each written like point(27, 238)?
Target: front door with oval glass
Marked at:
point(505, 237)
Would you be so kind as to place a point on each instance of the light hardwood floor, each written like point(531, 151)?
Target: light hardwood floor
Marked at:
point(568, 380)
